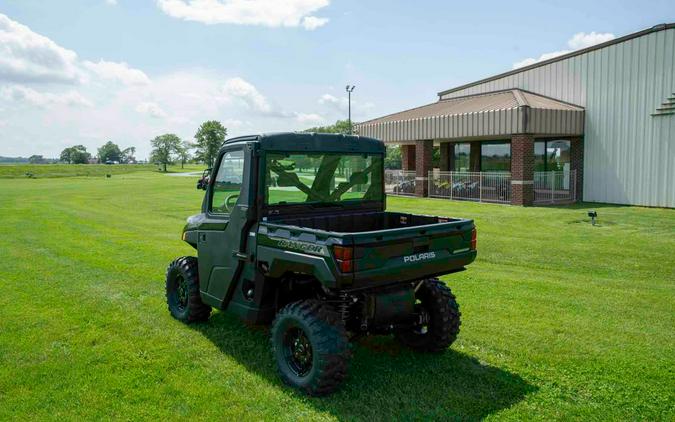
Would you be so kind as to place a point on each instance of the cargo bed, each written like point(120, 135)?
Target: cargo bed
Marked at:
point(388, 247)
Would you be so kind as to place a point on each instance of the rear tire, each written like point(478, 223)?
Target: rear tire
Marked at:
point(310, 346)
point(436, 299)
point(182, 291)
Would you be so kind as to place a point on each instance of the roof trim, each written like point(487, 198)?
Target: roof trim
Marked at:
point(516, 92)
point(655, 28)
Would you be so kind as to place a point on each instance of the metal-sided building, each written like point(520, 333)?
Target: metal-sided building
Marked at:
point(603, 118)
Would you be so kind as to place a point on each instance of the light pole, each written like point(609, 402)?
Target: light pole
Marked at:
point(349, 105)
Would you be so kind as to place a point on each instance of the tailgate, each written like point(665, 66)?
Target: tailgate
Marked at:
point(411, 253)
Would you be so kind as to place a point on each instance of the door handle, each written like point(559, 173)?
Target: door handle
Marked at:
point(239, 255)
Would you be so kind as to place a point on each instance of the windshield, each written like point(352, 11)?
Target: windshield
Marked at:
point(294, 178)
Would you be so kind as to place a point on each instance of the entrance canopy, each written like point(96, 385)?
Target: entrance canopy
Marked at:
point(497, 114)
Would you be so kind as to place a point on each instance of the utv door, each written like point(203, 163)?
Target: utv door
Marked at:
point(220, 236)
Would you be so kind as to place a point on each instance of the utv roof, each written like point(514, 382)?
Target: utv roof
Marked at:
point(310, 141)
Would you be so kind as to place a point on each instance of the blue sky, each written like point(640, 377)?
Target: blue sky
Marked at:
point(84, 72)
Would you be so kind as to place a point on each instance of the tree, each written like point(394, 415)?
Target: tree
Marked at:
point(37, 159)
point(393, 158)
point(163, 148)
point(75, 155)
point(109, 152)
point(341, 126)
point(184, 153)
point(208, 139)
point(127, 155)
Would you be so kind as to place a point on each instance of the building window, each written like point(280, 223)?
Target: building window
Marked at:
point(552, 155)
point(495, 156)
point(462, 152)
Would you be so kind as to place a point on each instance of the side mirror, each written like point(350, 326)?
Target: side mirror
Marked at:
point(203, 183)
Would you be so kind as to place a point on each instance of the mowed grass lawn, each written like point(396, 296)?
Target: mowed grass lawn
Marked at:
point(560, 320)
point(16, 171)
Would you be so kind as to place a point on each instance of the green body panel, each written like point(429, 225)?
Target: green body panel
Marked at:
point(244, 256)
point(282, 261)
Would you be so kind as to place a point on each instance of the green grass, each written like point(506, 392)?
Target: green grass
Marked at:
point(14, 171)
point(560, 320)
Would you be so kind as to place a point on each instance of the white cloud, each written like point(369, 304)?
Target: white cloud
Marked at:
point(18, 93)
point(583, 40)
point(111, 2)
point(543, 57)
point(235, 123)
point(117, 71)
point(578, 41)
point(310, 23)
point(113, 101)
point(247, 93)
point(272, 13)
point(340, 105)
point(26, 56)
point(333, 101)
point(151, 109)
point(309, 118)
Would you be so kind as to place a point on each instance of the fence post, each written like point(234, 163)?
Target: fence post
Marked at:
point(480, 186)
point(430, 177)
point(574, 184)
point(451, 184)
point(552, 184)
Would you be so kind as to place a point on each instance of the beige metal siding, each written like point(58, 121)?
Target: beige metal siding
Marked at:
point(629, 154)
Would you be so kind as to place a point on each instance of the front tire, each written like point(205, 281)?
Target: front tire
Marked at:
point(182, 291)
point(437, 303)
point(310, 346)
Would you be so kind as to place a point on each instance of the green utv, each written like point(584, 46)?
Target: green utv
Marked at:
point(293, 232)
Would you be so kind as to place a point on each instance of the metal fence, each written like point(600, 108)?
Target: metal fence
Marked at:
point(555, 187)
point(399, 182)
point(471, 186)
point(551, 187)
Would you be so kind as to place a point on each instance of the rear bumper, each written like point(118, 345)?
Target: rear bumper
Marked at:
point(399, 270)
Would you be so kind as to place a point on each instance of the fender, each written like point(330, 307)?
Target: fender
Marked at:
point(280, 261)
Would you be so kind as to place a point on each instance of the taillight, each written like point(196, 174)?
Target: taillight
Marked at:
point(473, 239)
point(344, 256)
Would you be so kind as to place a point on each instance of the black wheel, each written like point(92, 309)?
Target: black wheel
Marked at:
point(311, 348)
point(182, 291)
point(440, 313)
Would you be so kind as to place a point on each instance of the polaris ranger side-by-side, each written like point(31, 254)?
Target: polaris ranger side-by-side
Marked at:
point(293, 232)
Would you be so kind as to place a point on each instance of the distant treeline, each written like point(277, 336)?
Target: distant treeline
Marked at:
point(13, 159)
point(34, 160)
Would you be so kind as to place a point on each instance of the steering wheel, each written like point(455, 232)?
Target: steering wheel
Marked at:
point(233, 199)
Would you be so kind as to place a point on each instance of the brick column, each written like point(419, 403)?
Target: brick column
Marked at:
point(447, 156)
point(522, 169)
point(577, 163)
point(408, 157)
point(474, 156)
point(424, 150)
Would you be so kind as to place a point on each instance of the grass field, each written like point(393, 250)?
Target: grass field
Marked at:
point(561, 320)
point(39, 171)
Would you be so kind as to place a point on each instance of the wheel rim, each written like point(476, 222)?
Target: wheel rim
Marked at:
point(181, 293)
point(298, 351)
point(420, 309)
